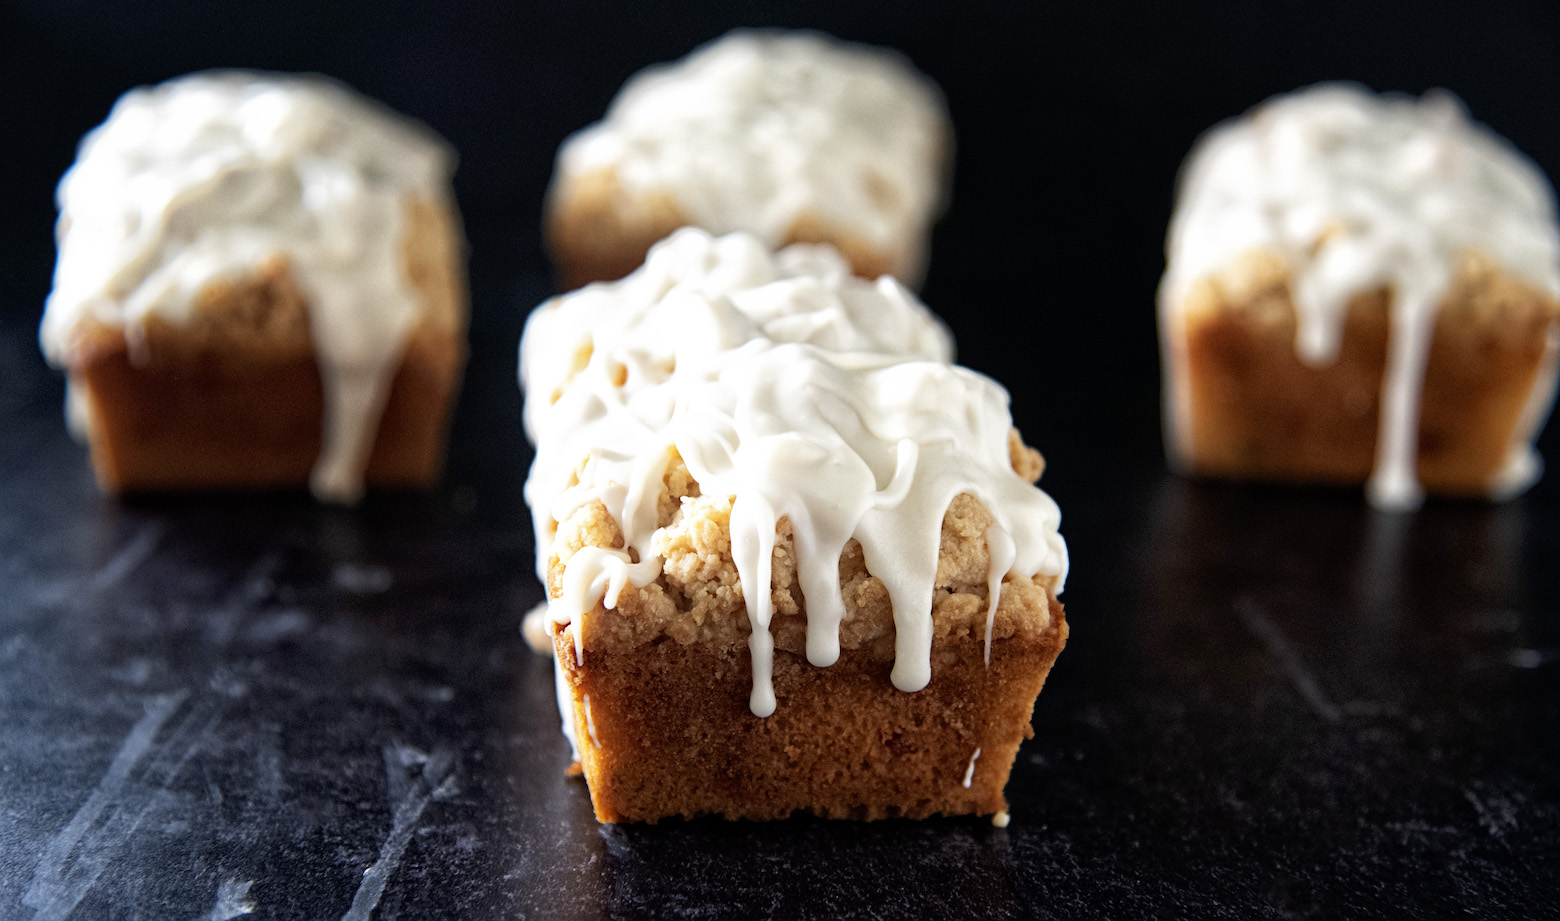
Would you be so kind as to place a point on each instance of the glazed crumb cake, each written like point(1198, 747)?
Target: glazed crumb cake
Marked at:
point(261, 283)
point(1361, 289)
point(792, 136)
point(794, 556)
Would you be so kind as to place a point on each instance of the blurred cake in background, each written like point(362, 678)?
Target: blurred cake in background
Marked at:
point(791, 136)
point(261, 283)
point(1361, 289)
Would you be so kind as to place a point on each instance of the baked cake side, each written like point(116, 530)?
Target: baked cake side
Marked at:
point(793, 136)
point(1361, 289)
point(261, 283)
point(1258, 410)
point(659, 685)
point(232, 397)
point(794, 557)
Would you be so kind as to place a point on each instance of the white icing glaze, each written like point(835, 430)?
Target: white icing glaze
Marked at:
point(205, 177)
point(969, 772)
point(566, 708)
point(1358, 191)
point(799, 390)
point(756, 129)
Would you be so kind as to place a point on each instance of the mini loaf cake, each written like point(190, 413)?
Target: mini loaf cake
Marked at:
point(794, 557)
point(260, 283)
point(1361, 289)
point(792, 136)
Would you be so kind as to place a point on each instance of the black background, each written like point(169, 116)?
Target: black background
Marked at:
point(1276, 702)
point(1072, 120)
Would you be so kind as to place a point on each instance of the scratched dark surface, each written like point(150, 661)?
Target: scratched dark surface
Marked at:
point(1275, 703)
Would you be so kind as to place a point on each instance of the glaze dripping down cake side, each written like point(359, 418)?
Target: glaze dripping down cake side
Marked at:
point(795, 558)
point(1361, 289)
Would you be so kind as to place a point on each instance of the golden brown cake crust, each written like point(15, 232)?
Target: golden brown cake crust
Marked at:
point(1255, 410)
point(667, 730)
point(596, 230)
point(232, 398)
point(697, 597)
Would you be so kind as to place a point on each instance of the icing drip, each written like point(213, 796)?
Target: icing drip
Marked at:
point(1392, 484)
point(206, 177)
point(752, 548)
point(1003, 553)
point(800, 391)
point(757, 130)
point(969, 772)
point(1356, 192)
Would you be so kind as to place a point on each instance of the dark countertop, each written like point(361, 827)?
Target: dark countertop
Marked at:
point(1275, 703)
